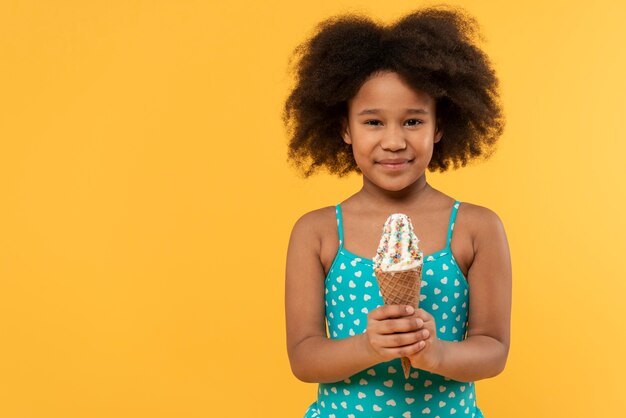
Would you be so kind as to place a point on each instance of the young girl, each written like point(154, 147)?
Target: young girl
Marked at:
point(388, 102)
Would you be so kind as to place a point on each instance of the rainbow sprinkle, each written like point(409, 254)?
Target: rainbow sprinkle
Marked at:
point(398, 248)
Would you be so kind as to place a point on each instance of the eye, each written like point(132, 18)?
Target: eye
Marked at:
point(417, 121)
point(367, 122)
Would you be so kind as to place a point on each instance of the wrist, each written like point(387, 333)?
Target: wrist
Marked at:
point(371, 354)
point(441, 357)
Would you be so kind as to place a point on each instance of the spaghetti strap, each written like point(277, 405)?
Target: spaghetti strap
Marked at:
point(339, 224)
point(455, 209)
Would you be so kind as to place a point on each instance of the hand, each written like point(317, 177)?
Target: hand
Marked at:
point(429, 357)
point(393, 331)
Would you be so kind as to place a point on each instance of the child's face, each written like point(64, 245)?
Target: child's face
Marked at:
point(392, 129)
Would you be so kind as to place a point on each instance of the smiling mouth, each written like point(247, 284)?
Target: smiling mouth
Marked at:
point(395, 165)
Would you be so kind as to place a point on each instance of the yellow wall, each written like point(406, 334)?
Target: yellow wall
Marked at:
point(146, 205)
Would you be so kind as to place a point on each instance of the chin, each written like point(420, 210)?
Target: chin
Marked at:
point(395, 187)
point(392, 183)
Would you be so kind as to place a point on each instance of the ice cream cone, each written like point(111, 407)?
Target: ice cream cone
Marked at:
point(401, 288)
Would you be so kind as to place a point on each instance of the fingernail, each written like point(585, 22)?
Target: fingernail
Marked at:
point(410, 309)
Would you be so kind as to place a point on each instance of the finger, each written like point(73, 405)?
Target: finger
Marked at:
point(423, 314)
point(405, 351)
point(411, 349)
point(394, 325)
point(419, 320)
point(391, 311)
point(402, 339)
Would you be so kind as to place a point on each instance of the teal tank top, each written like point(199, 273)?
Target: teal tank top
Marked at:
point(351, 291)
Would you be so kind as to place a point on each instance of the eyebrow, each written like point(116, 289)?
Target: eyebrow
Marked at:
point(375, 111)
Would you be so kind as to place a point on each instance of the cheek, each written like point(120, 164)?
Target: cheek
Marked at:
point(360, 156)
point(424, 144)
point(363, 148)
point(426, 149)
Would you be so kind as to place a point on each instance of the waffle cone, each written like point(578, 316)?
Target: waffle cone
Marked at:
point(401, 288)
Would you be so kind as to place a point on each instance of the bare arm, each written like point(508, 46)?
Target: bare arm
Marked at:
point(312, 355)
point(484, 352)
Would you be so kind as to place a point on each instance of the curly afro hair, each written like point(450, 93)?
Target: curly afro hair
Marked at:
point(434, 49)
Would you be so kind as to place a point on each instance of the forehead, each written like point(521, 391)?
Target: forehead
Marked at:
point(389, 91)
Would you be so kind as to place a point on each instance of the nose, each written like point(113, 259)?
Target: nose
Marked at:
point(393, 139)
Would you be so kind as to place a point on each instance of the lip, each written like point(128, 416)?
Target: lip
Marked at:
point(395, 163)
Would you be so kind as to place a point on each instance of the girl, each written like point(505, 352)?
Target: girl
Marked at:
point(388, 102)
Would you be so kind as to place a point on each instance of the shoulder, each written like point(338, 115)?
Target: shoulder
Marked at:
point(314, 220)
point(310, 238)
point(484, 223)
point(477, 214)
point(314, 224)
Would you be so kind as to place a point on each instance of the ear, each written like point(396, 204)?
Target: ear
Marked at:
point(345, 131)
point(438, 132)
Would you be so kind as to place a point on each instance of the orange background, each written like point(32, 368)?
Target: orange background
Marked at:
point(146, 205)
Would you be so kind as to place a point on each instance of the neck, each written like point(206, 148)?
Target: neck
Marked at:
point(395, 199)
